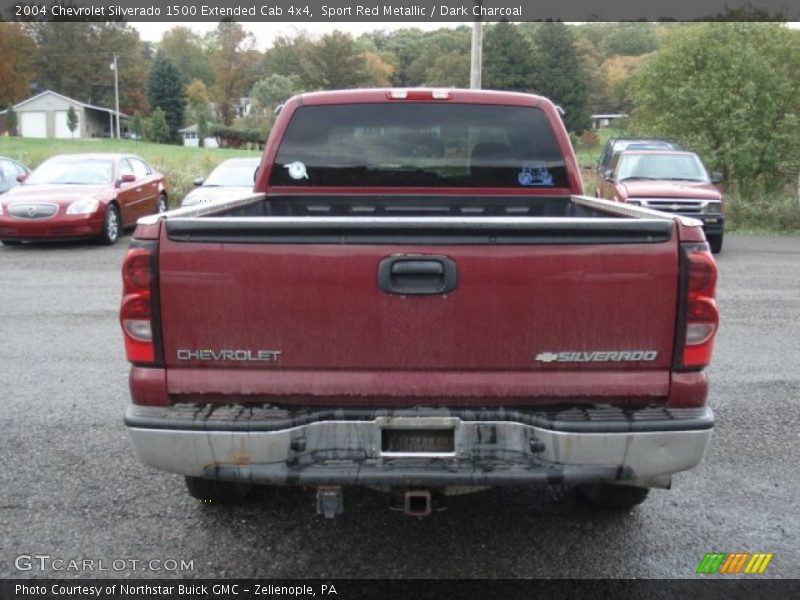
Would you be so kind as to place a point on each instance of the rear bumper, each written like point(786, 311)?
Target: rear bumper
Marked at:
point(489, 447)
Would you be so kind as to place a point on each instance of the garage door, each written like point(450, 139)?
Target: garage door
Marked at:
point(33, 124)
point(62, 131)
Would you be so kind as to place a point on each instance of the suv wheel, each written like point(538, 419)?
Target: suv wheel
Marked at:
point(607, 495)
point(715, 241)
point(162, 204)
point(211, 490)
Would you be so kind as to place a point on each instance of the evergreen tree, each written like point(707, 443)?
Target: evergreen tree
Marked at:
point(507, 59)
point(158, 127)
point(72, 120)
point(11, 121)
point(165, 91)
point(137, 126)
point(560, 75)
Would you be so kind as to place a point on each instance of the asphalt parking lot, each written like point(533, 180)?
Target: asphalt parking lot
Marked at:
point(71, 488)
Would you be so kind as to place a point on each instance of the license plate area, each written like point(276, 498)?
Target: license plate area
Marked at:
point(417, 441)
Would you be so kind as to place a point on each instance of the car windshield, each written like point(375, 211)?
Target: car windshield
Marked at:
point(683, 167)
point(233, 173)
point(643, 145)
point(419, 144)
point(77, 171)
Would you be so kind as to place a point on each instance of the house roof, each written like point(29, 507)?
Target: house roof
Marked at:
point(67, 98)
point(191, 129)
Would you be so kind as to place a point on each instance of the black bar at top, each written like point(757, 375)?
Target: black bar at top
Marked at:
point(337, 12)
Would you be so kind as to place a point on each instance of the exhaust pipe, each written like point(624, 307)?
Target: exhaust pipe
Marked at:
point(417, 503)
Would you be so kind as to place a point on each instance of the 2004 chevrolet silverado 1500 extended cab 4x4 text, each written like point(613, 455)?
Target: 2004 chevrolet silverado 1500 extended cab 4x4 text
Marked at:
point(417, 298)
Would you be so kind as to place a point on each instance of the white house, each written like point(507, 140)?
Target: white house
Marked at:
point(604, 120)
point(190, 138)
point(45, 116)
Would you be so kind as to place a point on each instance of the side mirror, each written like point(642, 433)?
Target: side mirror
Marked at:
point(127, 178)
point(608, 175)
point(198, 182)
point(22, 177)
point(717, 177)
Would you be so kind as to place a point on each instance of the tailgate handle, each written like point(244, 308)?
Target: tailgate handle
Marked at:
point(417, 275)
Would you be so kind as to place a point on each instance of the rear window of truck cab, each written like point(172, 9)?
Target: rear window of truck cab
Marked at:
point(419, 145)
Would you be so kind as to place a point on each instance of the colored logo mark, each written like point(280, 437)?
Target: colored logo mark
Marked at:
point(734, 563)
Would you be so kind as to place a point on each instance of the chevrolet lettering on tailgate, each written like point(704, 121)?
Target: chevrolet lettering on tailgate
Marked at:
point(235, 355)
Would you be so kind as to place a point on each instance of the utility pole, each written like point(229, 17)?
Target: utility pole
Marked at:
point(476, 55)
point(116, 92)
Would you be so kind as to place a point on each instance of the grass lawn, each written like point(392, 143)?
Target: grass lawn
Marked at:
point(180, 164)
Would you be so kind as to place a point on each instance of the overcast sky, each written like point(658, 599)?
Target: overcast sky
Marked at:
point(267, 32)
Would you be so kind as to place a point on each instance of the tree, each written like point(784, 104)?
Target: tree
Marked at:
point(72, 120)
point(448, 70)
point(15, 49)
point(202, 129)
point(335, 61)
point(629, 39)
point(285, 57)
point(379, 68)
point(234, 61)
point(274, 90)
point(617, 73)
point(402, 45)
point(165, 91)
point(74, 59)
point(428, 65)
point(11, 121)
point(197, 100)
point(560, 76)
point(158, 128)
point(137, 126)
point(189, 53)
point(507, 59)
point(730, 91)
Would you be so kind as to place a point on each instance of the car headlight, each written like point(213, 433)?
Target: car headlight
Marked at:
point(84, 206)
point(714, 207)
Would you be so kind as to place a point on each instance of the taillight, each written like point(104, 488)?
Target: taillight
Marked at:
point(699, 317)
point(136, 315)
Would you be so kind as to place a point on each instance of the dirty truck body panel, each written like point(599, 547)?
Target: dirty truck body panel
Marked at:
point(458, 334)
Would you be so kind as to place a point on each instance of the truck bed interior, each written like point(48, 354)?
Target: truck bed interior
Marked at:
point(436, 219)
point(416, 206)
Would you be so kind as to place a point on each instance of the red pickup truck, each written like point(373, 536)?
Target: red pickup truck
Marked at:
point(417, 298)
point(669, 181)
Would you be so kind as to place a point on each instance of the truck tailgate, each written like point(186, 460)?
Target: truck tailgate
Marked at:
point(296, 317)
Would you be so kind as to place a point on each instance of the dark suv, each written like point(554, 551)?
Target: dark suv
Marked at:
point(618, 144)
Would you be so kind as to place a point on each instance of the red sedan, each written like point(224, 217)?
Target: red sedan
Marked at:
point(76, 196)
